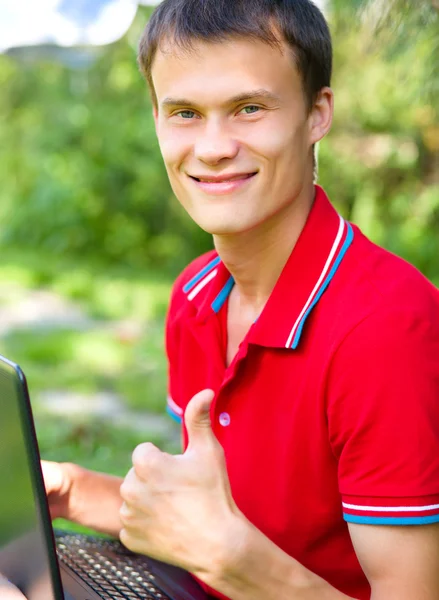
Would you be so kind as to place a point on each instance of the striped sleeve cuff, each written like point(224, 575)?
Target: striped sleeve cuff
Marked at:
point(174, 410)
point(391, 511)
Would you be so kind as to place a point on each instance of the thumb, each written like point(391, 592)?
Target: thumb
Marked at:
point(197, 418)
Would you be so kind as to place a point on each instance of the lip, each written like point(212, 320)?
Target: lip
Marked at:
point(225, 183)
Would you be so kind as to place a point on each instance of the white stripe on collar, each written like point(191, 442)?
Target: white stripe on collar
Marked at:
point(202, 284)
point(335, 246)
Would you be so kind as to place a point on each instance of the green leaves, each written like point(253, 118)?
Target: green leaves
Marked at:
point(380, 161)
point(80, 166)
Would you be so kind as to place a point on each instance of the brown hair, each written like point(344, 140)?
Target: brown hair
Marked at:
point(299, 22)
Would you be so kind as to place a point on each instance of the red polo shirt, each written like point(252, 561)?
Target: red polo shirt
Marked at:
point(329, 412)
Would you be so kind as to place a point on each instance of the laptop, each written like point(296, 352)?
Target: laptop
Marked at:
point(56, 565)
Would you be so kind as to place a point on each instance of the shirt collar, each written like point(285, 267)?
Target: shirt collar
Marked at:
point(309, 270)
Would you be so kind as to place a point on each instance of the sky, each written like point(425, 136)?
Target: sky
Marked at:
point(67, 22)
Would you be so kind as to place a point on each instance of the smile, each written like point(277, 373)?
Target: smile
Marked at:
point(222, 178)
point(222, 185)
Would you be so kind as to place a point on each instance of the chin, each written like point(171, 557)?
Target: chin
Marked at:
point(221, 215)
point(230, 226)
point(226, 215)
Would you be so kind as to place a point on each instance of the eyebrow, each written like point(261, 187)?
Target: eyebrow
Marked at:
point(260, 94)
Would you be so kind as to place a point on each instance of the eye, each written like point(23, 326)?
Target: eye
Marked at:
point(250, 109)
point(186, 114)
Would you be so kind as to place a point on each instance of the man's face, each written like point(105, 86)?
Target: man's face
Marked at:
point(234, 131)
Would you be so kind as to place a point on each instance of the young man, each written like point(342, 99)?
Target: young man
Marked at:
point(303, 359)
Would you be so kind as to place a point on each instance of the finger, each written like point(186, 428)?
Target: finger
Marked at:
point(197, 420)
point(128, 488)
point(133, 542)
point(147, 458)
point(137, 493)
point(125, 514)
point(52, 475)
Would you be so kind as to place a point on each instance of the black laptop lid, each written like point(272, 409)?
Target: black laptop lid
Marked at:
point(27, 551)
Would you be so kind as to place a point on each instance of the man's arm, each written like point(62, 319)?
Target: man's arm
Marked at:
point(86, 497)
point(254, 568)
point(400, 563)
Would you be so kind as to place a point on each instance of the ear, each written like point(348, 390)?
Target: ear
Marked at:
point(320, 118)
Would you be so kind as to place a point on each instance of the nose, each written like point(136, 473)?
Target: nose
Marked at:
point(215, 144)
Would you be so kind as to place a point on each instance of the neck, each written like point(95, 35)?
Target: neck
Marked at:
point(256, 258)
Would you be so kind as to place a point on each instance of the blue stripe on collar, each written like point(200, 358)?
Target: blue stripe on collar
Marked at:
point(223, 295)
point(193, 282)
point(347, 243)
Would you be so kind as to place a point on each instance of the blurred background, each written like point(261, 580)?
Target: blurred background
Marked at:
point(91, 236)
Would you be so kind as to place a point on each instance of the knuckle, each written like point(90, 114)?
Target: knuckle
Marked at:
point(128, 491)
point(125, 538)
point(129, 496)
point(145, 458)
point(128, 540)
point(125, 515)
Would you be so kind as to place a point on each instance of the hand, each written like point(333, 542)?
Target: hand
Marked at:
point(179, 509)
point(8, 591)
point(86, 497)
point(58, 484)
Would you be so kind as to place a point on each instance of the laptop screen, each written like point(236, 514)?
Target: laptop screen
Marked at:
point(26, 549)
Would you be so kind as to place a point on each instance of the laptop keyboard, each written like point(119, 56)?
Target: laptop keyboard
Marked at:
point(111, 570)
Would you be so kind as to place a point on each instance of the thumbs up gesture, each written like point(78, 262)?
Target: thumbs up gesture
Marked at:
point(179, 509)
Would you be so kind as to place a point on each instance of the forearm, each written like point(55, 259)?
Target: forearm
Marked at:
point(94, 499)
point(255, 568)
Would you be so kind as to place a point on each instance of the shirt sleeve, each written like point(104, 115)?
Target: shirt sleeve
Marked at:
point(383, 419)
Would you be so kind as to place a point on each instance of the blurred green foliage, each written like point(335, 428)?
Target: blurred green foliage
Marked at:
point(115, 349)
point(116, 346)
point(380, 163)
point(80, 167)
point(81, 173)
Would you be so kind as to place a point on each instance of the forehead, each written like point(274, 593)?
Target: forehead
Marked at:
point(223, 69)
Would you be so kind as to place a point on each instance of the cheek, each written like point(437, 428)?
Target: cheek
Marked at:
point(175, 145)
point(276, 142)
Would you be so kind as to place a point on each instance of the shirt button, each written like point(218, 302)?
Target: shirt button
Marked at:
point(224, 419)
